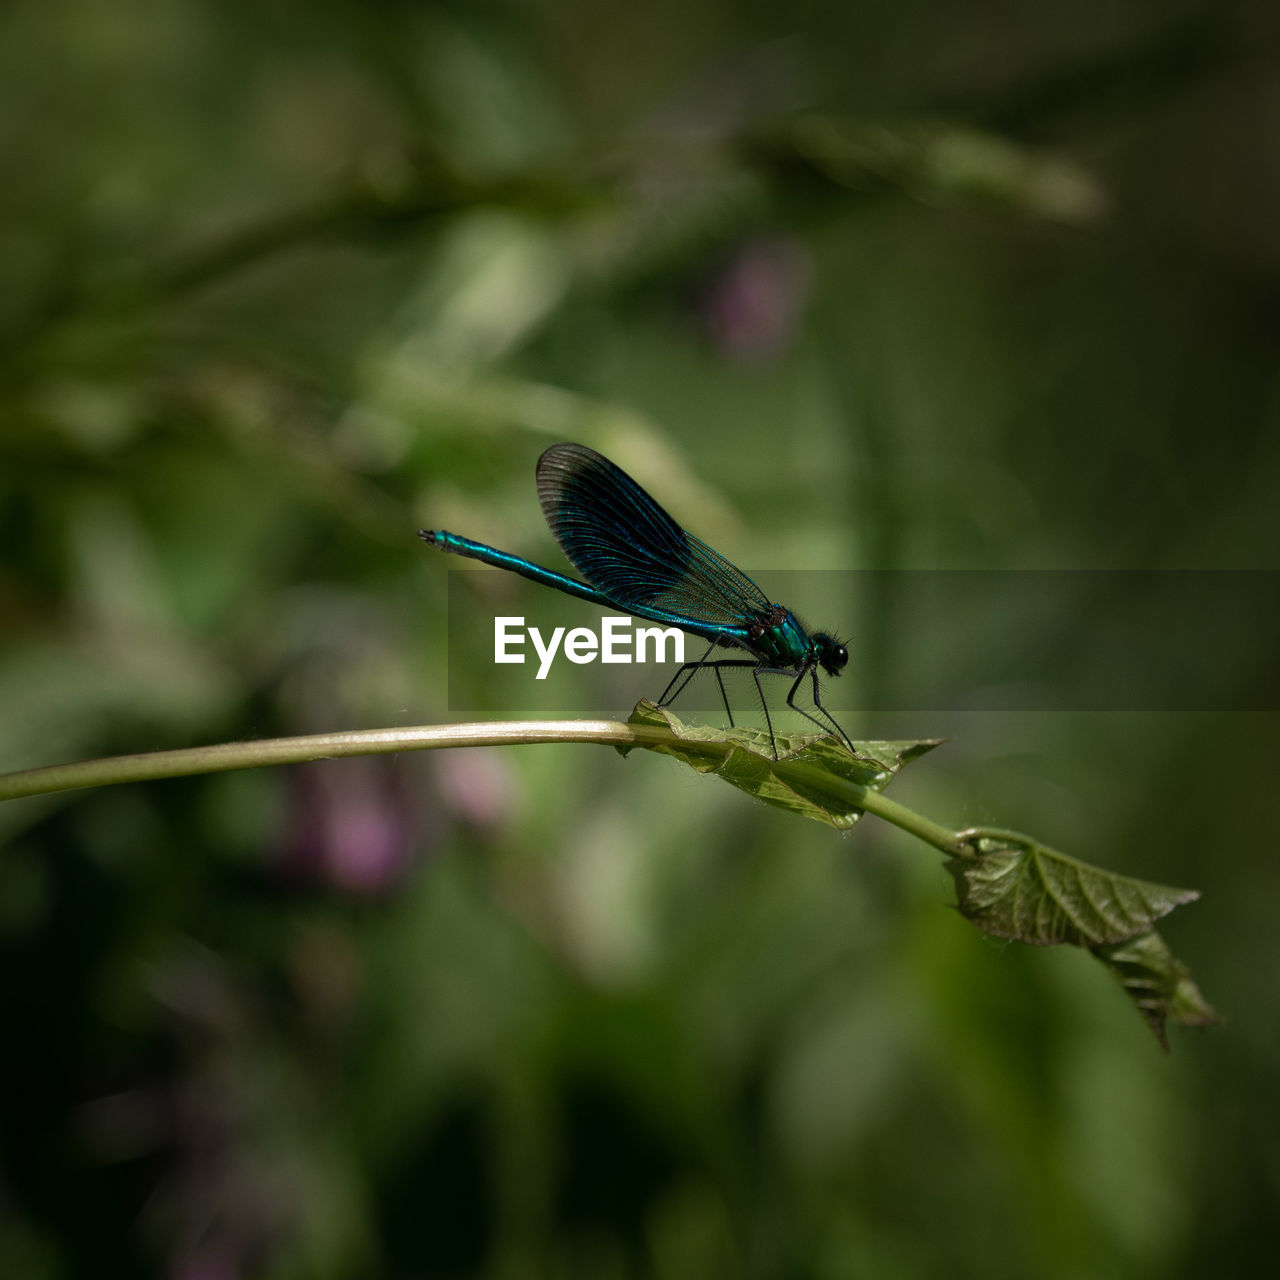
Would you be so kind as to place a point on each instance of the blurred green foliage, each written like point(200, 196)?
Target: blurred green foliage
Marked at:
point(889, 286)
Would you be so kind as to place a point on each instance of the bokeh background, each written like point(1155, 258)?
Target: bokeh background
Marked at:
point(886, 286)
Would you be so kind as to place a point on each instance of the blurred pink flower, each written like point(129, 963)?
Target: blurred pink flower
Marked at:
point(207, 1266)
point(752, 305)
point(478, 786)
point(353, 824)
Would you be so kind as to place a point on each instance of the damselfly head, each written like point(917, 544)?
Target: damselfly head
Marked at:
point(830, 653)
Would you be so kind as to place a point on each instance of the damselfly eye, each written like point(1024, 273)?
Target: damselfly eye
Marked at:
point(830, 653)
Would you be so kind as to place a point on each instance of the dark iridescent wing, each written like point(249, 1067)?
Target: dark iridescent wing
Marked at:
point(632, 551)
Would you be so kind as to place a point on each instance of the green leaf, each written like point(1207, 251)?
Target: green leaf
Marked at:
point(814, 776)
point(1158, 983)
point(1014, 887)
point(1008, 884)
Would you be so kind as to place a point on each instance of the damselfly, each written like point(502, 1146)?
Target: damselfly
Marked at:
point(636, 558)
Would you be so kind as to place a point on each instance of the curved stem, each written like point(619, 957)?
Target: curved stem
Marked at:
point(224, 756)
point(871, 801)
point(320, 746)
point(916, 824)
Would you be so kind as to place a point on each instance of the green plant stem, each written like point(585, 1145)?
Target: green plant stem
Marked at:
point(225, 756)
point(916, 824)
point(871, 801)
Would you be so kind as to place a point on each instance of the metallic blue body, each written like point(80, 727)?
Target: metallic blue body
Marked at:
point(777, 637)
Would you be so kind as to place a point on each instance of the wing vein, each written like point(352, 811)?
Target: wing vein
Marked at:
point(632, 551)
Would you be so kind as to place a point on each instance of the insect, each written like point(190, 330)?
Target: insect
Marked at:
point(636, 558)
